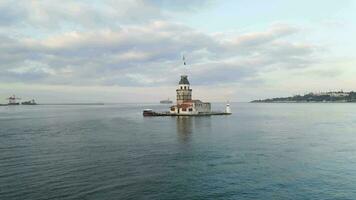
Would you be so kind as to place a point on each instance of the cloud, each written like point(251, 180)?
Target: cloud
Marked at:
point(135, 44)
point(62, 15)
point(182, 5)
point(9, 14)
point(150, 54)
point(138, 45)
point(277, 31)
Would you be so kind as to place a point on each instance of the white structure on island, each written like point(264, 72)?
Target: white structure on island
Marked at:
point(185, 104)
point(227, 108)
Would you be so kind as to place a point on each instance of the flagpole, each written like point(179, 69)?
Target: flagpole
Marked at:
point(185, 65)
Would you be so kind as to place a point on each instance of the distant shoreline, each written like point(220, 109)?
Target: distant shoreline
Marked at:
point(322, 97)
point(72, 104)
point(58, 104)
point(310, 102)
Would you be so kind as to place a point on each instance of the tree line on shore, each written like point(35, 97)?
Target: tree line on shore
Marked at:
point(311, 97)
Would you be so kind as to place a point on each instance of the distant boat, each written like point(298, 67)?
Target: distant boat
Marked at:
point(148, 112)
point(167, 101)
point(31, 102)
point(12, 100)
point(13, 104)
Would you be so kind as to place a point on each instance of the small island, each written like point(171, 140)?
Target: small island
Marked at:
point(322, 97)
point(186, 106)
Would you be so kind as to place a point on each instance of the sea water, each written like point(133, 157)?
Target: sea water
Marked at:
point(262, 151)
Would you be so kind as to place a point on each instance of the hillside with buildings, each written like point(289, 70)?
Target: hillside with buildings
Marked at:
point(339, 96)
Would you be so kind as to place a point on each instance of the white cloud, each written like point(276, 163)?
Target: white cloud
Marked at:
point(141, 54)
point(133, 44)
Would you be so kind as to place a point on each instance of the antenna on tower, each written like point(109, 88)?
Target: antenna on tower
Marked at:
point(185, 69)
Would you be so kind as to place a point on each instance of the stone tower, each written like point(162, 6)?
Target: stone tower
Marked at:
point(184, 93)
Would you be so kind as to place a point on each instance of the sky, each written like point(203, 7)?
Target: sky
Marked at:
point(131, 50)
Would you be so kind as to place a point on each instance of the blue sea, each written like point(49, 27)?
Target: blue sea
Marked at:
point(262, 151)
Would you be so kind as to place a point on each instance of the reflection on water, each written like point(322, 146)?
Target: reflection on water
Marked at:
point(184, 128)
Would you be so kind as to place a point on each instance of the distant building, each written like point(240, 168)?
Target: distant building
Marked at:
point(332, 94)
point(185, 104)
point(339, 94)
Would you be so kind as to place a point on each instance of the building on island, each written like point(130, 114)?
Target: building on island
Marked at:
point(185, 104)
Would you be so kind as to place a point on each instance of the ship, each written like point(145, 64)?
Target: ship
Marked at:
point(12, 100)
point(166, 101)
point(148, 112)
point(31, 102)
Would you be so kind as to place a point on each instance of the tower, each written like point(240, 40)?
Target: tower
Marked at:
point(184, 93)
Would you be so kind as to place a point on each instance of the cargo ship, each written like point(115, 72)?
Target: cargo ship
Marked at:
point(31, 102)
point(12, 101)
point(166, 101)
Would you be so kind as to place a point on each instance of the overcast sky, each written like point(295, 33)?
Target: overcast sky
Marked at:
point(131, 51)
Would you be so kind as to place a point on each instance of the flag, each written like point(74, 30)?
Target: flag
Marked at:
point(184, 61)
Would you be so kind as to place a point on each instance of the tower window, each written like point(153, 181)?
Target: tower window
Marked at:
point(185, 87)
point(190, 109)
point(181, 87)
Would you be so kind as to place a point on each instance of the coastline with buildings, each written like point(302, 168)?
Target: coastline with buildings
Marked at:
point(321, 97)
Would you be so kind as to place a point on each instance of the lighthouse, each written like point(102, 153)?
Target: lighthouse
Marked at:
point(184, 92)
point(185, 104)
